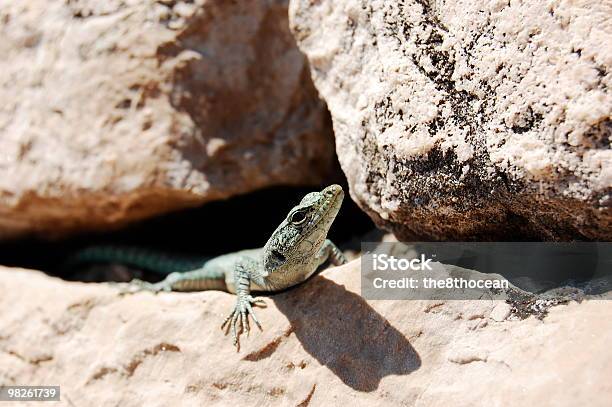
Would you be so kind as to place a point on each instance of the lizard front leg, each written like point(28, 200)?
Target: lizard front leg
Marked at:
point(239, 317)
point(329, 251)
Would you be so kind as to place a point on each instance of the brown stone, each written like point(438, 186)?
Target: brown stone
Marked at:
point(322, 344)
point(469, 120)
point(114, 111)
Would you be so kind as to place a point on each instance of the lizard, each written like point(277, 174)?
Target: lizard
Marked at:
point(296, 249)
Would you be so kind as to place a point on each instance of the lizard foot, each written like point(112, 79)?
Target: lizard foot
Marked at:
point(137, 285)
point(239, 318)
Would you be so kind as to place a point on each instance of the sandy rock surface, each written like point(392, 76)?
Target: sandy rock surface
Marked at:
point(322, 344)
point(469, 120)
point(117, 110)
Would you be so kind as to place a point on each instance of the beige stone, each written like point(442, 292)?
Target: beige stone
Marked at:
point(117, 110)
point(322, 344)
point(469, 120)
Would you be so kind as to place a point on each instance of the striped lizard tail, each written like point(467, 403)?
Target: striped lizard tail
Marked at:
point(146, 259)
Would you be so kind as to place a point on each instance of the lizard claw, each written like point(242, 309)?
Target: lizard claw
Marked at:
point(132, 287)
point(238, 320)
point(137, 285)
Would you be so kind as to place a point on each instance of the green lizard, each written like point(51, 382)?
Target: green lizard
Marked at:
point(298, 246)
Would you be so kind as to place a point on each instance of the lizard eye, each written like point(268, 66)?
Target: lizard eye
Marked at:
point(297, 217)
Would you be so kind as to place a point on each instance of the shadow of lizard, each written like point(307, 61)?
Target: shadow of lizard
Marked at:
point(339, 329)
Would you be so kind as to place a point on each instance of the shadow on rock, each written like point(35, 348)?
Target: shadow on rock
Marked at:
point(340, 330)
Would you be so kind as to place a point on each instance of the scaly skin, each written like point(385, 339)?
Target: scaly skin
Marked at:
point(292, 254)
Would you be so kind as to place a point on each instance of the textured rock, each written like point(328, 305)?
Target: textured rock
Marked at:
point(469, 120)
point(116, 110)
point(322, 343)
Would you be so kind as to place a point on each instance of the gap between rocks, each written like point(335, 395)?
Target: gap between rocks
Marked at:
point(215, 228)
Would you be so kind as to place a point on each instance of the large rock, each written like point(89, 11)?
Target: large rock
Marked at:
point(469, 120)
point(116, 110)
point(322, 344)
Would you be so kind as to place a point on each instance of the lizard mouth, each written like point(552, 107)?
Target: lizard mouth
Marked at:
point(334, 197)
point(334, 191)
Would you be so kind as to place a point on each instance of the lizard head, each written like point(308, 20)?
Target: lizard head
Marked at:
point(299, 237)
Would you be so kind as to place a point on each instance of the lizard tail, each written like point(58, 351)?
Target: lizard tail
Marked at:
point(150, 260)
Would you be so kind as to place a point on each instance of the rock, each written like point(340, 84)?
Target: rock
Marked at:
point(321, 342)
point(114, 111)
point(469, 120)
